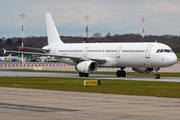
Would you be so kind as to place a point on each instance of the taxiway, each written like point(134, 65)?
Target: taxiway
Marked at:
point(20, 104)
point(93, 76)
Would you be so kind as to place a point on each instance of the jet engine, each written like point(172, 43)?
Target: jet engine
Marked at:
point(87, 66)
point(143, 70)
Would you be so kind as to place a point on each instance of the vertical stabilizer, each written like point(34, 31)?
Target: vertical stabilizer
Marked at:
point(53, 36)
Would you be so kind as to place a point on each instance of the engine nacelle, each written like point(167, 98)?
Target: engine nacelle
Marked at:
point(143, 70)
point(87, 67)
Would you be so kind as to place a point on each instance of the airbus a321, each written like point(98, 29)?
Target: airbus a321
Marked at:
point(88, 57)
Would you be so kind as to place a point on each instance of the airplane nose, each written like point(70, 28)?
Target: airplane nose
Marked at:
point(172, 59)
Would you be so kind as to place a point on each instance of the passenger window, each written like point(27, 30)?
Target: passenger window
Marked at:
point(161, 50)
point(157, 50)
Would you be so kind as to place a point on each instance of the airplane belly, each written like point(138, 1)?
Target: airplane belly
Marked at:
point(67, 61)
point(110, 63)
point(134, 61)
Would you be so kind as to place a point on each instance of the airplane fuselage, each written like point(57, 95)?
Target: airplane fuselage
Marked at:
point(119, 54)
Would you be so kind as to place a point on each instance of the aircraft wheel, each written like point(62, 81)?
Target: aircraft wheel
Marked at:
point(123, 73)
point(118, 73)
point(157, 76)
point(86, 74)
point(81, 74)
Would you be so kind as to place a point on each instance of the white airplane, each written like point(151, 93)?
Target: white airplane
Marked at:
point(88, 57)
point(10, 58)
point(3, 58)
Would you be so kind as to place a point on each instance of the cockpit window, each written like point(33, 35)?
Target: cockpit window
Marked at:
point(157, 50)
point(161, 50)
point(171, 50)
point(164, 50)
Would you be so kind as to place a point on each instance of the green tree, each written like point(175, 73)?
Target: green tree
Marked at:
point(9, 42)
point(19, 41)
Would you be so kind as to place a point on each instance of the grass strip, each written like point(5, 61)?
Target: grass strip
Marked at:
point(178, 56)
point(122, 87)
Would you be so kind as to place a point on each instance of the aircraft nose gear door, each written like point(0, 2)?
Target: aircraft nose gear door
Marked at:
point(148, 50)
point(118, 52)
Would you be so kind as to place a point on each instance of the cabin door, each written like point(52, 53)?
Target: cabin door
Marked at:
point(118, 52)
point(55, 49)
point(85, 51)
point(148, 51)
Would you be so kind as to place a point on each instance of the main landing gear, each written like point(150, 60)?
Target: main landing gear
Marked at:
point(83, 74)
point(121, 73)
point(157, 76)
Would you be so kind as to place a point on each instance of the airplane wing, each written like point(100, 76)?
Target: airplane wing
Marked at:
point(98, 60)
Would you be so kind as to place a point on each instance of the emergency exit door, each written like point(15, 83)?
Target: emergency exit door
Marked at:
point(148, 51)
point(118, 52)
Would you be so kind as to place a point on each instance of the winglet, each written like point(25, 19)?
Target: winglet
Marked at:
point(4, 51)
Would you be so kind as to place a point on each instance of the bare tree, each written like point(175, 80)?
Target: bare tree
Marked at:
point(97, 35)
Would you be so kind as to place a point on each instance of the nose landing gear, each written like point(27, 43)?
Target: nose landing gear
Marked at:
point(157, 76)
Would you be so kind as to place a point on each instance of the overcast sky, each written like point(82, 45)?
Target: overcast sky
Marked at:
point(114, 16)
